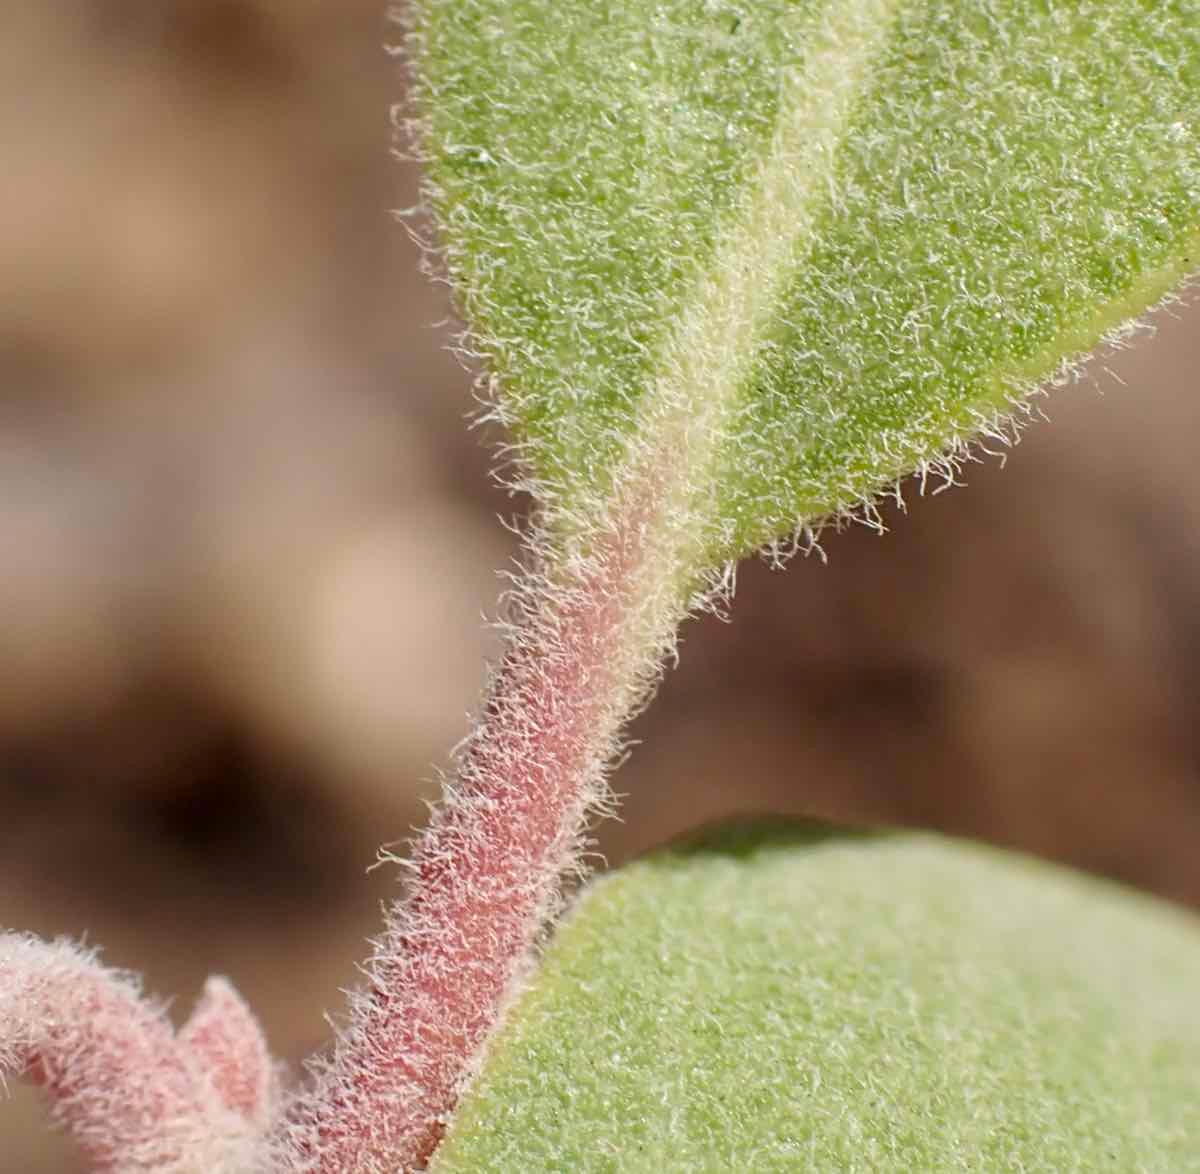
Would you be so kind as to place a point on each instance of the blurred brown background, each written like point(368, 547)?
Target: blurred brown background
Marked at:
point(246, 542)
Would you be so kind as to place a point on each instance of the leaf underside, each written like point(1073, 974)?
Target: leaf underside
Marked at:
point(869, 1004)
point(845, 235)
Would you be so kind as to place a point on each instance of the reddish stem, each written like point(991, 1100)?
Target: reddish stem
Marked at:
point(485, 876)
point(109, 1061)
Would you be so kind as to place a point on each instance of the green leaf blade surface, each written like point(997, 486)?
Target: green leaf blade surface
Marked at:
point(866, 1004)
point(978, 191)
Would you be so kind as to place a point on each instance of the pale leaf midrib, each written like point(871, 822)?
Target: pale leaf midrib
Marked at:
point(704, 364)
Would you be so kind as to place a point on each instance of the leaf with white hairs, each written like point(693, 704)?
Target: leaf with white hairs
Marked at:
point(777, 254)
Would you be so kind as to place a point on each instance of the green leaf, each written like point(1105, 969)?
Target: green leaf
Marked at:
point(777, 1003)
point(795, 249)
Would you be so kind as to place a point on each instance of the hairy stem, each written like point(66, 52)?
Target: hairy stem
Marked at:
point(486, 873)
point(132, 1095)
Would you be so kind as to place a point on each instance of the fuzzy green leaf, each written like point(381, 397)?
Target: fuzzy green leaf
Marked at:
point(796, 248)
point(769, 1003)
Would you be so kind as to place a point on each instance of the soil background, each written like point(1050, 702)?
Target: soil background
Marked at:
point(246, 542)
